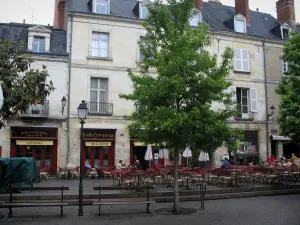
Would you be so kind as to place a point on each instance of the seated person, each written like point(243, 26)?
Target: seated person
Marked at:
point(293, 158)
point(121, 165)
point(88, 164)
point(226, 164)
point(138, 165)
point(272, 159)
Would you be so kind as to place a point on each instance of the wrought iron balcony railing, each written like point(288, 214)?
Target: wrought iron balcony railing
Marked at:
point(100, 108)
point(245, 116)
point(37, 110)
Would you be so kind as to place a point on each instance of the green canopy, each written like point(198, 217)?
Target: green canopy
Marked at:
point(17, 172)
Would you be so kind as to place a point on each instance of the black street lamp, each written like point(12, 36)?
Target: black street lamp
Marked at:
point(82, 113)
point(272, 109)
point(63, 104)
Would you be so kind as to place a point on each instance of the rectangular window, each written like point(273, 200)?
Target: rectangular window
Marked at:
point(284, 66)
point(247, 99)
point(285, 33)
point(100, 43)
point(239, 26)
point(195, 19)
point(38, 44)
point(101, 6)
point(241, 60)
point(144, 12)
point(142, 41)
point(98, 95)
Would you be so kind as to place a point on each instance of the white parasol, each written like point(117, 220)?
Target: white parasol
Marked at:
point(201, 157)
point(187, 154)
point(148, 155)
point(1, 96)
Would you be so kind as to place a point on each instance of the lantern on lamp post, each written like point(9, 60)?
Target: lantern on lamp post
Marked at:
point(1, 96)
point(82, 113)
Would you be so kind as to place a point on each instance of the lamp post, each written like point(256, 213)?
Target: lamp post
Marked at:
point(63, 104)
point(272, 109)
point(82, 113)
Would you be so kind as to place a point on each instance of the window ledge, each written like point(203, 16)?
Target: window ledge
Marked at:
point(100, 58)
point(243, 119)
point(244, 72)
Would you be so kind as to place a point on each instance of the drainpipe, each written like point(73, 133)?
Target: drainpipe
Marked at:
point(266, 99)
point(69, 91)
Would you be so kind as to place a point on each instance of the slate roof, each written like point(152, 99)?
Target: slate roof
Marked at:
point(18, 32)
point(217, 15)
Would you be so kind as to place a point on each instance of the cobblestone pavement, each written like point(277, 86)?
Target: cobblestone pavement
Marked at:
point(275, 210)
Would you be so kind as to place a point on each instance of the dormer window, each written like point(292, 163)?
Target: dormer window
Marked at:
point(38, 44)
point(101, 6)
point(195, 19)
point(285, 32)
point(39, 39)
point(240, 24)
point(143, 12)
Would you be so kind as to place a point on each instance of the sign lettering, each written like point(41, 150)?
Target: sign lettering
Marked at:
point(33, 142)
point(98, 135)
point(95, 144)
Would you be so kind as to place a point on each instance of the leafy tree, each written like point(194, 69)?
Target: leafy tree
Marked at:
point(289, 90)
point(174, 104)
point(20, 83)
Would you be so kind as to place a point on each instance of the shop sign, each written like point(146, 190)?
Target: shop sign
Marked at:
point(33, 142)
point(97, 144)
point(139, 143)
point(91, 134)
point(33, 132)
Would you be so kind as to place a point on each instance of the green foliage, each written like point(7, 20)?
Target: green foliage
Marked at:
point(20, 83)
point(174, 105)
point(289, 90)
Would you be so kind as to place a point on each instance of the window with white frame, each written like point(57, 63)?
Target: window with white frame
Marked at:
point(195, 19)
point(38, 44)
point(241, 60)
point(101, 6)
point(284, 66)
point(285, 32)
point(100, 44)
point(142, 41)
point(247, 99)
point(240, 25)
point(143, 12)
point(98, 95)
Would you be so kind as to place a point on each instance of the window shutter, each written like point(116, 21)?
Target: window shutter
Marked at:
point(253, 98)
point(245, 58)
point(237, 60)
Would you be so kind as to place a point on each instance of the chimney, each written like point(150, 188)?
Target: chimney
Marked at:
point(199, 4)
point(24, 21)
point(286, 11)
point(242, 7)
point(257, 9)
point(59, 14)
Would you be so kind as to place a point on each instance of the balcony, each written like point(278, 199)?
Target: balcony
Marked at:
point(245, 117)
point(37, 110)
point(100, 108)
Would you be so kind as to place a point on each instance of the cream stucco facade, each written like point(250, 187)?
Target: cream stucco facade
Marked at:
point(123, 54)
point(57, 68)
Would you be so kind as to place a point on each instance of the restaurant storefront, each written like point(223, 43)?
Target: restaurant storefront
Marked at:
point(99, 148)
point(39, 143)
point(247, 148)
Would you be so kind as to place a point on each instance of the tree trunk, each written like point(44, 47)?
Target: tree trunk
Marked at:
point(176, 192)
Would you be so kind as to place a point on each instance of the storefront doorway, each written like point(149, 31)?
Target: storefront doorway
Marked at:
point(41, 154)
point(39, 143)
point(99, 148)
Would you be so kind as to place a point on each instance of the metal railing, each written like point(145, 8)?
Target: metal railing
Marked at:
point(37, 110)
point(245, 116)
point(100, 108)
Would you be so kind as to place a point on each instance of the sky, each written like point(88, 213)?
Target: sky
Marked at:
point(42, 11)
